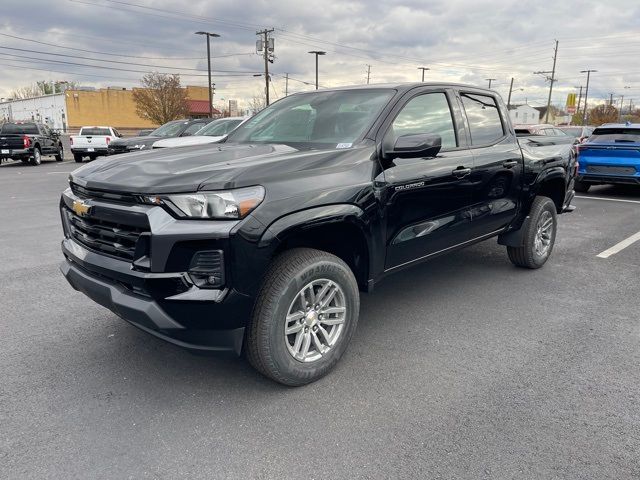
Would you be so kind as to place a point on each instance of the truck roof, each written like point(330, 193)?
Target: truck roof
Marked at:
point(403, 87)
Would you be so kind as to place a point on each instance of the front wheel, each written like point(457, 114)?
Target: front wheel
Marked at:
point(304, 317)
point(539, 236)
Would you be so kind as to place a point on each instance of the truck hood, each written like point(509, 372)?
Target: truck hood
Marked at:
point(186, 141)
point(213, 167)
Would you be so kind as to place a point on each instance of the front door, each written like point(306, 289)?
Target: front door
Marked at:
point(426, 201)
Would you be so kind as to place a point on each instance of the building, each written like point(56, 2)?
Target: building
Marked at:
point(114, 106)
point(524, 115)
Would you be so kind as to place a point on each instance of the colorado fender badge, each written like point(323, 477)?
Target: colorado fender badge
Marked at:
point(81, 208)
point(409, 185)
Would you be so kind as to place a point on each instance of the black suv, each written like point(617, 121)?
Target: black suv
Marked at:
point(264, 243)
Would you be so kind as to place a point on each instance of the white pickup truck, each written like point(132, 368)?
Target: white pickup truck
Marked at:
point(92, 142)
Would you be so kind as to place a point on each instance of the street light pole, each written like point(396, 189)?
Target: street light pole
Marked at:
point(490, 80)
point(209, 35)
point(586, 94)
point(423, 70)
point(317, 53)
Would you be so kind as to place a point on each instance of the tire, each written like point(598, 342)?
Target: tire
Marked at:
point(77, 157)
point(581, 187)
point(24, 160)
point(37, 157)
point(60, 155)
point(269, 350)
point(532, 254)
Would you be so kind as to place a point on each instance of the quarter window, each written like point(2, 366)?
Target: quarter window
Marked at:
point(428, 113)
point(484, 118)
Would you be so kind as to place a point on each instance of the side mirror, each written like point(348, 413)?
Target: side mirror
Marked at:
point(416, 145)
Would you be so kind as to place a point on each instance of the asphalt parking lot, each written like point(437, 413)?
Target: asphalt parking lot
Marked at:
point(464, 367)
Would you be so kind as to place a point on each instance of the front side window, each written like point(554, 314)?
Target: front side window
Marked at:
point(318, 120)
point(428, 113)
point(485, 124)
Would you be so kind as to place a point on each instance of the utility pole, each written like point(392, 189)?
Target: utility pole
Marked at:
point(368, 73)
point(510, 90)
point(317, 53)
point(611, 99)
point(586, 94)
point(551, 79)
point(286, 84)
point(620, 112)
point(209, 35)
point(266, 46)
point(579, 98)
point(490, 80)
point(423, 70)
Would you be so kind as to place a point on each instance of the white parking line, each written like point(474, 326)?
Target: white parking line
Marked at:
point(619, 246)
point(609, 199)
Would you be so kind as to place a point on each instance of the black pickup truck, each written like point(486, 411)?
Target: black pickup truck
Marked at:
point(263, 244)
point(29, 142)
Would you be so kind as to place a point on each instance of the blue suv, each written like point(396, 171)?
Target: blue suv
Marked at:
point(610, 155)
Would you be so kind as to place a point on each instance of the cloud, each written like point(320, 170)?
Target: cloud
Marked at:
point(459, 40)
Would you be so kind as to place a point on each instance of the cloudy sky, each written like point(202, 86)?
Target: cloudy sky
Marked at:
point(112, 43)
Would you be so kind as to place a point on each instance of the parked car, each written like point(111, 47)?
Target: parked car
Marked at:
point(263, 242)
point(580, 133)
point(29, 142)
point(175, 128)
point(545, 130)
point(211, 133)
point(611, 155)
point(92, 142)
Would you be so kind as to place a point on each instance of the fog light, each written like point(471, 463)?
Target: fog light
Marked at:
point(207, 269)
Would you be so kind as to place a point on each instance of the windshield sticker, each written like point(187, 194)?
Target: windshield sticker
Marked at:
point(344, 145)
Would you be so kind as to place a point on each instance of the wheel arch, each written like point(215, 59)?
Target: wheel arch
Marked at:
point(551, 183)
point(337, 229)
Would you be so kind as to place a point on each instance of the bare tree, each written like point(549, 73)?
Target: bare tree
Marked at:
point(603, 114)
point(161, 99)
point(257, 103)
point(42, 87)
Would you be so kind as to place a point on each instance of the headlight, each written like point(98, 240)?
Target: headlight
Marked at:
point(233, 204)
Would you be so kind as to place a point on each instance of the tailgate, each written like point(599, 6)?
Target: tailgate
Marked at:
point(609, 159)
point(11, 141)
point(89, 141)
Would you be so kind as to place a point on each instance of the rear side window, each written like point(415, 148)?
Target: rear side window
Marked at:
point(428, 113)
point(622, 135)
point(20, 128)
point(94, 131)
point(485, 124)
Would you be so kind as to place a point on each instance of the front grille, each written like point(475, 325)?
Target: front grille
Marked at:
point(610, 170)
point(115, 239)
point(83, 192)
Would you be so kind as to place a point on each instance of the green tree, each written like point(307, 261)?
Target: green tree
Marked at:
point(161, 99)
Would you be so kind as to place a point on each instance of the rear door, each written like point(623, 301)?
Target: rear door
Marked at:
point(426, 201)
point(497, 164)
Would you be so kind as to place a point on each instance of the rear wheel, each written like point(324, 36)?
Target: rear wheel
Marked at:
point(37, 157)
point(92, 157)
point(581, 187)
point(60, 155)
point(539, 236)
point(304, 317)
point(77, 157)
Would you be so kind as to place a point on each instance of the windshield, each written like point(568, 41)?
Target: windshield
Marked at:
point(218, 128)
point(624, 135)
point(19, 128)
point(171, 129)
point(333, 119)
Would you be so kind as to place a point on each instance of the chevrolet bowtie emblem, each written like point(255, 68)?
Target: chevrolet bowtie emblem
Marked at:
point(81, 208)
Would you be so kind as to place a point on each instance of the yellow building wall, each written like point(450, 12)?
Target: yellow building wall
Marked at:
point(115, 108)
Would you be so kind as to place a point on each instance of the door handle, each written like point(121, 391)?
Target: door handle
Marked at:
point(510, 163)
point(461, 172)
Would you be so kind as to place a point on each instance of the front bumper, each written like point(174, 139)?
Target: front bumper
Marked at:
point(158, 295)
